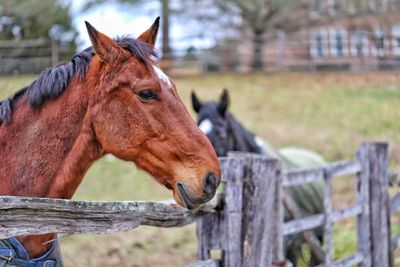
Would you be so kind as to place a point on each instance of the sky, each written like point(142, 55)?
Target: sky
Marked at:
point(115, 20)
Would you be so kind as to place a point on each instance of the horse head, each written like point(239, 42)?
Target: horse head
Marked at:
point(213, 121)
point(138, 116)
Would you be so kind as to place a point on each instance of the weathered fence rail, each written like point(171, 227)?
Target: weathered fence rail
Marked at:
point(245, 220)
point(24, 215)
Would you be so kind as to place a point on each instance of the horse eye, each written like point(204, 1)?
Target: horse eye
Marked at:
point(147, 94)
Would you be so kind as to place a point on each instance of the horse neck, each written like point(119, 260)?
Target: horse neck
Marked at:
point(46, 150)
point(240, 137)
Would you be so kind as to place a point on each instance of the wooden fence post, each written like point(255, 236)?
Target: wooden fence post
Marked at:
point(222, 230)
point(259, 198)
point(362, 196)
point(328, 208)
point(55, 51)
point(233, 210)
point(280, 50)
point(243, 229)
point(373, 189)
point(278, 250)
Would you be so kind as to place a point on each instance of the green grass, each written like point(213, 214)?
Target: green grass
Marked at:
point(119, 180)
point(331, 113)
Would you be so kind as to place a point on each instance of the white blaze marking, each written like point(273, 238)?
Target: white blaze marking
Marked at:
point(161, 75)
point(110, 157)
point(259, 141)
point(206, 126)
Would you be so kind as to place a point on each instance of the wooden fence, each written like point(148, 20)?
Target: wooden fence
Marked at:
point(28, 56)
point(372, 209)
point(244, 223)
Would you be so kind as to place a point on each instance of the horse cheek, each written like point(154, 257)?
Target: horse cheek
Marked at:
point(115, 133)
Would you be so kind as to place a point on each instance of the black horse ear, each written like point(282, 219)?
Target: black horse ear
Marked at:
point(223, 102)
point(196, 104)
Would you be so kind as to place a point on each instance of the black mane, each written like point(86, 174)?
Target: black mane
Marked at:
point(243, 138)
point(52, 81)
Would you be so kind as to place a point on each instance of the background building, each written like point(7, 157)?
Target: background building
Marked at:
point(338, 34)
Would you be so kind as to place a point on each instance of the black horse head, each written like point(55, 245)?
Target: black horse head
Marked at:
point(222, 129)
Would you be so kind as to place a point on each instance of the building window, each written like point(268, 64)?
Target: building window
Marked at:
point(359, 43)
point(338, 42)
point(334, 7)
point(315, 7)
point(377, 5)
point(396, 39)
point(380, 42)
point(318, 43)
point(354, 6)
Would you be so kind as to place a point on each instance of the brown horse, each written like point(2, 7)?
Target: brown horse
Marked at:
point(111, 98)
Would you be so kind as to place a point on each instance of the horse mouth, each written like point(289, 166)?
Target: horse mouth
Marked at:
point(185, 197)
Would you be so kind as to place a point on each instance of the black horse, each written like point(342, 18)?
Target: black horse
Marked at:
point(223, 130)
point(227, 134)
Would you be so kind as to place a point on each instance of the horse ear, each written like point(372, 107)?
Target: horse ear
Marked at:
point(223, 102)
point(150, 35)
point(105, 47)
point(196, 103)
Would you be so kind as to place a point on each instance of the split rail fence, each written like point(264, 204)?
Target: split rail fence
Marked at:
point(244, 223)
point(28, 56)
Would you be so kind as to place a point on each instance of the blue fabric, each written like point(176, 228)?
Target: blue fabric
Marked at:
point(13, 254)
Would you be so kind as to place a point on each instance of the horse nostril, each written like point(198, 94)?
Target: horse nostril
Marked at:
point(210, 184)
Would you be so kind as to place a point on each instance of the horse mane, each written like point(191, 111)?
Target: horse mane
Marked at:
point(52, 82)
point(244, 139)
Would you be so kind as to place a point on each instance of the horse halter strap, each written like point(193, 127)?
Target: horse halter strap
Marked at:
point(12, 253)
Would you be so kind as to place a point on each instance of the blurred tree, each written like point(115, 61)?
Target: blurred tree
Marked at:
point(29, 19)
point(166, 12)
point(258, 17)
point(261, 16)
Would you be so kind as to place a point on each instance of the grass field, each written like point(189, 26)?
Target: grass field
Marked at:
point(331, 113)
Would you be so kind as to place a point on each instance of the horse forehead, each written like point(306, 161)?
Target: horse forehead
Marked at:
point(161, 75)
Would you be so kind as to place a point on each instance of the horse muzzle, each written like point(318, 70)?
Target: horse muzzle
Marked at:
point(190, 200)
